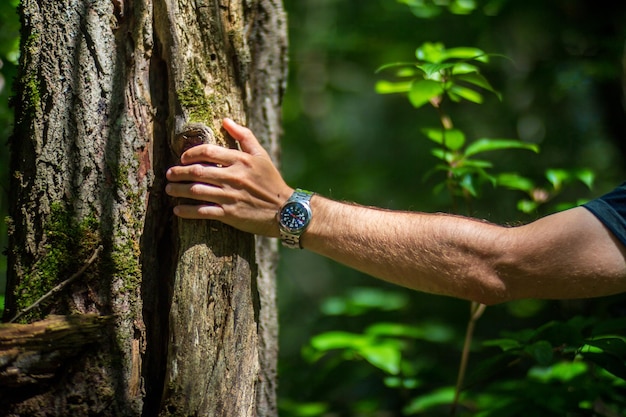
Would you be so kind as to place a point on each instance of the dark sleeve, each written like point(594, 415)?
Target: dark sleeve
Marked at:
point(610, 209)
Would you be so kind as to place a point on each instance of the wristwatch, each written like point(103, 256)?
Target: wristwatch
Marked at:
point(294, 217)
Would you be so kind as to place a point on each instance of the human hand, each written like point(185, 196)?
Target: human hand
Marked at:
point(243, 189)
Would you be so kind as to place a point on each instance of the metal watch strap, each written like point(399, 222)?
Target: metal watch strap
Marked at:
point(288, 239)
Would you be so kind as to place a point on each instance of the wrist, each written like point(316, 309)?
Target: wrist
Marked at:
point(294, 218)
point(321, 226)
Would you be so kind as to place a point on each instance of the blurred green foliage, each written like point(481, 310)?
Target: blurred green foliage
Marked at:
point(559, 89)
point(353, 346)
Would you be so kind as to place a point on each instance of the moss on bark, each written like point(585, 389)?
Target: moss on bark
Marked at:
point(68, 244)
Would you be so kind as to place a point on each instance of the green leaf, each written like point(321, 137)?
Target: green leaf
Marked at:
point(388, 87)
point(432, 332)
point(557, 177)
point(383, 356)
point(431, 52)
point(586, 176)
point(486, 145)
point(462, 7)
point(493, 365)
point(466, 93)
point(437, 332)
point(525, 308)
point(377, 298)
point(422, 91)
point(423, 10)
point(609, 362)
point(524, 335)
point(477, 163)
point(454, 97)
point(527, 206)
point(432, 69)
point(482, 174)
point(452, 139)
point(360, 300)
point(467, 183)
point(395, 65)
point(444, 156)
point(504, 344)
point(398, 382)
point(515, 182)
point(463, 68)
point(541, 351)
point(566, 371)
point(612, 345)
point(407, 72)
point(425, 402)
point(296, 409)
point(567, 333)
point(440, 187)
point(478, 80)
point(466, 52)
point(562, 371)
point(336, 340)
point(394, 329)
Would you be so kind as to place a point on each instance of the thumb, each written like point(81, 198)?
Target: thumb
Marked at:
point(249, 143)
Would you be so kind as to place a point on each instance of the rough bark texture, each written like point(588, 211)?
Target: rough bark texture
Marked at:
point(267, 40)
point(105, 85)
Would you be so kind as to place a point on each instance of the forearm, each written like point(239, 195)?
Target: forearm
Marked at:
point(565, 255)
point(434, 253)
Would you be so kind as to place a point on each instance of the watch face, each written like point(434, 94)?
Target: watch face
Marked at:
point(295, 216)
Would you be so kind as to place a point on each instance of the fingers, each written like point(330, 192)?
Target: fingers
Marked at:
point(224, 156)
point(196, 191)
point(199, 172)
point(204, 212)
point(249, 143)
point(208, 198)
point(242, 188)
point(209, 154)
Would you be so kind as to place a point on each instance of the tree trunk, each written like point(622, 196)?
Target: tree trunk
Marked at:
point(104, 90)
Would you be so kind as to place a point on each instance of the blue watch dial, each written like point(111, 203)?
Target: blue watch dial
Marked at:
point(295, 216)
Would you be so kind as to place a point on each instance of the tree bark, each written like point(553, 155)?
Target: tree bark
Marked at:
point(104, 88)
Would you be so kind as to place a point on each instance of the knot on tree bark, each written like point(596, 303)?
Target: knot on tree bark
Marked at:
point(190, 135)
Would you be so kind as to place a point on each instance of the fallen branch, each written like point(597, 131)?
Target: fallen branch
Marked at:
point(34, 353)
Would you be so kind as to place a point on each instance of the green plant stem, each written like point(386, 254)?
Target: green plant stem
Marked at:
point(477, 311)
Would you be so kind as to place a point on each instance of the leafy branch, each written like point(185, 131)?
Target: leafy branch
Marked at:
point(437, 78)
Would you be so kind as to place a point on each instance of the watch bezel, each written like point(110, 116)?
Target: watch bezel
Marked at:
point(307, 209)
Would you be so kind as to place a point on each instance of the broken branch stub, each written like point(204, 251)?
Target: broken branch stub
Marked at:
point(190, 135)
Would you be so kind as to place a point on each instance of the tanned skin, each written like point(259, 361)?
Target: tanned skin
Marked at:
point(562, 256)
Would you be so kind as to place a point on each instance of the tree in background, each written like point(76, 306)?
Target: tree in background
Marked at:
point(161, 316)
